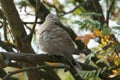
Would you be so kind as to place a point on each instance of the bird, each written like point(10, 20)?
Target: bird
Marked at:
point(53, 39)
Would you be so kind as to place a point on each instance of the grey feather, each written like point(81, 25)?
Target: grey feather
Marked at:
point(53, 39)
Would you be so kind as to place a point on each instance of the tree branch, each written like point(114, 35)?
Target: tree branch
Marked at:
point(38, 58)
point(32, 58)
point(6, 45)
point(97, 8)
point(75, 8)
point(33, 68)
point(13, 19)
point(32, 22)
point(41, 10)
point(19, 33)
point(33, 30)
point(3, 74)
point(108, 13)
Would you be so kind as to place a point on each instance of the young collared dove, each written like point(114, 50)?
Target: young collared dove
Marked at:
point(53, 39)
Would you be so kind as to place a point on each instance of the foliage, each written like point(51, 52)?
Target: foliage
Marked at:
point(88, 15)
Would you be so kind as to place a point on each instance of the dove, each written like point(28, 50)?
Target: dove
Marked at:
point(55, 40)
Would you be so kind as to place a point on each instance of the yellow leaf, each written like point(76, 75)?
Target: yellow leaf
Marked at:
point(86, 38)
point(52, 63)
point(116, 61)
point(77, 11)
point(97, 33)
point(103, 41)
point(100, 56)
point(106, 38)
point(115, 71)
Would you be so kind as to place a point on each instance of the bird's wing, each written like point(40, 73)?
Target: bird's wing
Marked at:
point(66, 40)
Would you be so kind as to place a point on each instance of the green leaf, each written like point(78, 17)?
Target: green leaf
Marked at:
point(106, 31)
point(118, 20)
point(116, 27)
point(78, 22)
point(89, 56)
point(100, 60)
point(77, 11)
point(68, 77)
point(116, 47)
point(90, 14)
point(106, 53)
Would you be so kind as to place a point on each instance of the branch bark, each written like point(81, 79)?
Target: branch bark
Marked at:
point(38, 58)
point(97, 8)
point(32, 68)
point(13, 18)
point(19, 33)
point(6, 45)
point(108, 13)
point(41, 10)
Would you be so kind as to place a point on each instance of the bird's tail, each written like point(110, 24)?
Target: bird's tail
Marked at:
point(77, 67)
point(74, 65)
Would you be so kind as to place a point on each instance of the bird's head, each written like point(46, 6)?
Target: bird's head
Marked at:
point(51, 18)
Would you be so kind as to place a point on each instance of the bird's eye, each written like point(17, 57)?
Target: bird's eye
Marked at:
point(51, 16)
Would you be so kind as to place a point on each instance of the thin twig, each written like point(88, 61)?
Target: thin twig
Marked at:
point(97, 8)
point(50, 5)
point(75, 8)
point(32, 22)
point(63, 12)
point(36, 18)
point(3, 24)
point(27, 27)
point(3, 18)
point(108, 12)
point(33, 29)
point(5, 29)
point(33, 68)
point(12, 37)
point(7, 46)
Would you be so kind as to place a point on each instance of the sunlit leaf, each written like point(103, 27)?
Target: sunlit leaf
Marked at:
point(116, 61)
point(100, 60)
point(86, 38)
point(77, 11)
point(68, 77)
point(103, 41)
point(115, 71)
point(100, 56)
point(97, 33)
point(89, 56)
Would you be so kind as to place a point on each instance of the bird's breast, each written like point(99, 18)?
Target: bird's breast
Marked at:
point(50, 42)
